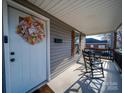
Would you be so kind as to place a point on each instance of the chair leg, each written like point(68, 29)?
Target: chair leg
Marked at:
point(85, 66)
point(102, 70)
point(92, 71)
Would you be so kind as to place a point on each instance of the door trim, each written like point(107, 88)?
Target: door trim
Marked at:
point(6, 45)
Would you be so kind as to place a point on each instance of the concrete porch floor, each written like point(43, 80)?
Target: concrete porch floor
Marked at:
point(73, 80)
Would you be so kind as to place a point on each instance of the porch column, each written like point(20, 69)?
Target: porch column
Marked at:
point(82, 41)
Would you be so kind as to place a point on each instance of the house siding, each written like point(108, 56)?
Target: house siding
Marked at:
point(60, 53)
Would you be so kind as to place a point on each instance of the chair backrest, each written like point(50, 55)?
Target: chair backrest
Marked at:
point(90, 56)
point(87, 56)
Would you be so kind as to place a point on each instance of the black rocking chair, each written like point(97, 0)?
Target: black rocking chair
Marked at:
point(93, 64)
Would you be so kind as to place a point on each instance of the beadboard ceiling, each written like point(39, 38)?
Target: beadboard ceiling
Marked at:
point(88, 16)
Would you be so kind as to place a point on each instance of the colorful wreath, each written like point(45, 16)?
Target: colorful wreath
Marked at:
point(31, 30)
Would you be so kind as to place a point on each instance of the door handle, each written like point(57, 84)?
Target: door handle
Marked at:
point(12, 53)
point(12, 59)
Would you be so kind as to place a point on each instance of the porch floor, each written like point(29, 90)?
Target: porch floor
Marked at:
point(73, 80)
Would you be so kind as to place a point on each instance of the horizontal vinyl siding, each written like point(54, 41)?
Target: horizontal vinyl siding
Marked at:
point(60, 53)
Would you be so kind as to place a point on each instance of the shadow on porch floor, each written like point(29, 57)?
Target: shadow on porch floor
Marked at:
point(74, 80)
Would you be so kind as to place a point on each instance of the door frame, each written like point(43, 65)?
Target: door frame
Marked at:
point(6, 50)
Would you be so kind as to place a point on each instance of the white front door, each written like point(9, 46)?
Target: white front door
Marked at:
point(28, 63)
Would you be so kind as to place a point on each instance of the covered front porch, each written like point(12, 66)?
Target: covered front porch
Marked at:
point(44, 40)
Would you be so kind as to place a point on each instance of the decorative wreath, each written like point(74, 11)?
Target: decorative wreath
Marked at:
point(32, 30)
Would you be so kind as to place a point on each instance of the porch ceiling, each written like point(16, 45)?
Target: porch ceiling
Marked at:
point(88, 16)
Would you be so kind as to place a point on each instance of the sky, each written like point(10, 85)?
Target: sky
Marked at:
point(99, 37)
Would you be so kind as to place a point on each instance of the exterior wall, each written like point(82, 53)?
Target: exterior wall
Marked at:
point(60, 53)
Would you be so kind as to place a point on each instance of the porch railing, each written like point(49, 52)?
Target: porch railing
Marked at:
point(105, 53)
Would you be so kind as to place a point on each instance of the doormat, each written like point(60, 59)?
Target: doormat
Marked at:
point(44, 89)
